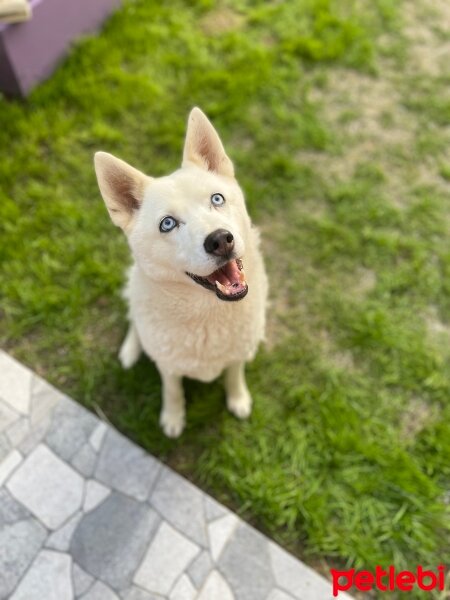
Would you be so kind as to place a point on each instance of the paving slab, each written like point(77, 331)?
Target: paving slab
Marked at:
point(49, 577)
point(85, 514)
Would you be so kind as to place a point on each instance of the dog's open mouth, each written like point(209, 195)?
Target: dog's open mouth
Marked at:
point(228, 282)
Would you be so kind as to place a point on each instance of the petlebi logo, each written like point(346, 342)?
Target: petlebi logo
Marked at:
point(388, 580)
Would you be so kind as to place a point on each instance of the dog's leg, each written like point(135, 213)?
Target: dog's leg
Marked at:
point(239, 401)
point(172, 417)
point(131, 348)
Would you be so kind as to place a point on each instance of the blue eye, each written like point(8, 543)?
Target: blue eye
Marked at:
point(167, 224)
point(217, 200)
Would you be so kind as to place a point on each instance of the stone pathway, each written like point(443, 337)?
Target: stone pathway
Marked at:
point(84, 513)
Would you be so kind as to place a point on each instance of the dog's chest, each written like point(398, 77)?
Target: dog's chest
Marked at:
point(198, 339)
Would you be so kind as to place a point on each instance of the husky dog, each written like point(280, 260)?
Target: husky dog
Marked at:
point(197, 290)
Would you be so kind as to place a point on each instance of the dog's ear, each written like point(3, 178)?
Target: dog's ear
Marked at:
point(203, 146)
point(121, 186)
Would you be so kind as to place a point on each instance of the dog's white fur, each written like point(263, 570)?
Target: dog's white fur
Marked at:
point(183, 327)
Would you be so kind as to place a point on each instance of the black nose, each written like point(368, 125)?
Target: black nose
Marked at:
point(219, 242)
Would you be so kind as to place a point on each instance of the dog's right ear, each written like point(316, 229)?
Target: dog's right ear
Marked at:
point(121, 186)
point(203, 146)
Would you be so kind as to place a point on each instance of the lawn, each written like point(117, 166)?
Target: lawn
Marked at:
point(336, 115)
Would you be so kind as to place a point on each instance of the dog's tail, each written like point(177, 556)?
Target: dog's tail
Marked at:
point(131, 348)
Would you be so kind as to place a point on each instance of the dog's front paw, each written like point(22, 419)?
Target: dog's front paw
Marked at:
point(172, 423)
point(240, 406)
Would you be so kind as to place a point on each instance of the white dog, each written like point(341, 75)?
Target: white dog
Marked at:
point(192, 308)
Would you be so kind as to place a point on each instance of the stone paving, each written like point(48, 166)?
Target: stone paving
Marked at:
point(85, 513)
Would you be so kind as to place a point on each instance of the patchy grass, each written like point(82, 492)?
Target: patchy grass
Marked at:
point(341, 145)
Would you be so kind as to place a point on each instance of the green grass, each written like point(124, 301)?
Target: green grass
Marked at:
point(347, 454)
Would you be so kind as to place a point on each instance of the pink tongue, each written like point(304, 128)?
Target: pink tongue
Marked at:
point(227, 275)
point(222, 278)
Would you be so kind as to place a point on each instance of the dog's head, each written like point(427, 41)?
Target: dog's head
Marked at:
point(189, 226)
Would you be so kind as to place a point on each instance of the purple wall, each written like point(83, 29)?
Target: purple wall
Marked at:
point(30, 51)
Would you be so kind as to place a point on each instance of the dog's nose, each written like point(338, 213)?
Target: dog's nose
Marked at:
point(219, 242)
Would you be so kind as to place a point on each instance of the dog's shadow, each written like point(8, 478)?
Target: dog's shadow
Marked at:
point(131, 401)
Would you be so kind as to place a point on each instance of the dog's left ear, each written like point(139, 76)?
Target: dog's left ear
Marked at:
point(122, 187)
point(203, 146)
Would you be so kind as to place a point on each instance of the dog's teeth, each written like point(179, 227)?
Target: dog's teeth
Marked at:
point(241, 276)
point(222, 288)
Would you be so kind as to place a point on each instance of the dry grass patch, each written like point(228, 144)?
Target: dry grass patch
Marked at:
point(416, 417)
point(221, 20)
